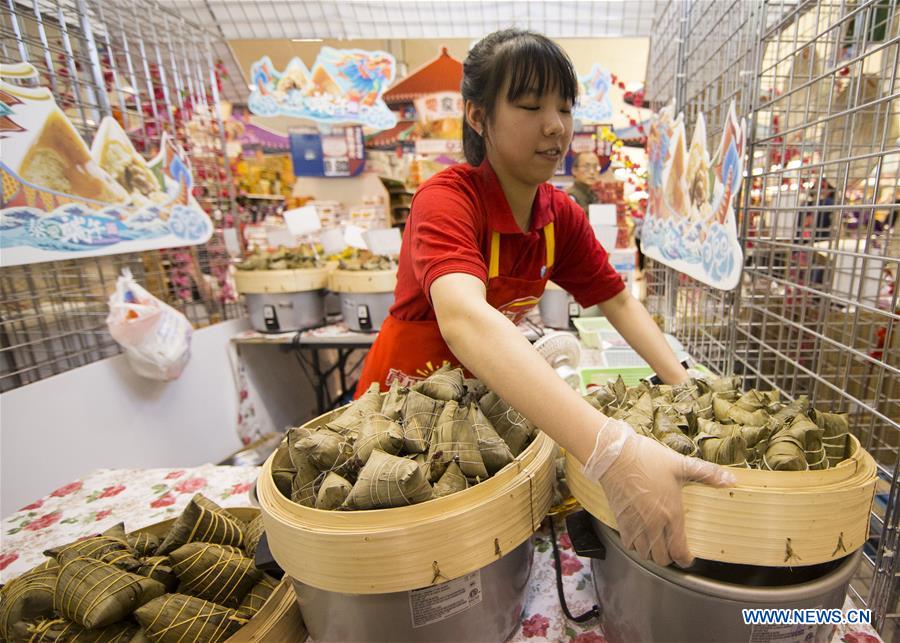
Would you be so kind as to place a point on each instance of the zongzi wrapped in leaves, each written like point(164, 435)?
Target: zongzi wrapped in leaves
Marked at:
point(368, 403)
point(725, 384)
point(377, 432)
point(114, 551)
point(203, 521)
point(446, 383)
point(510, 425)
point(729, 412)
point(59, 630)
point(755, 437)
point(283, 470)
point(303, 486)
point(452, 481)
point(392, 408)
point(176, 618)
point(600, 398)
point(29, 596)
point(494, 451)
point(215, 573)
point(667, 432)
point(835, 435)
point(388, 481)
point(454, 438)
point(159, 568)
point(475, 389)
point(95, 594)
point(333, 491)
point(326, 450)
point(420, 415)
point(252, 534)
point(257, 596)
point(730, 450)
point(796, 446)
point(640, 415)
point(143, 544)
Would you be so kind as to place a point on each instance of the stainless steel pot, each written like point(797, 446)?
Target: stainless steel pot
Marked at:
point(483, 606)
point(287, 311)
point(366, 311)
point(642, 601)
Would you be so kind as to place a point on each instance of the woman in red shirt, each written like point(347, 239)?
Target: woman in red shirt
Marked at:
point(481, 242)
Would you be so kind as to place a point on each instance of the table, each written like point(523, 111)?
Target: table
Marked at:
point(307, 346)
point(143, 497)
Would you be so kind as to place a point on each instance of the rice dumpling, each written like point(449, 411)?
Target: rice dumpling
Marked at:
point(59, 630)
point(204, 521)
point(392, 407)
point(29, 596)
point(159, 568)
point(446, 383)
point(110, 550)
point(454, 438)
point(333, 491)
point(175, 618)
point(510, 425)
point(215, 573)
point(452, 481)
point(257, 596)
point(284, 470)
point(420, 415)
point(667, 432)
point(95, 594)
point(252, 534)
point(348, 421)
point(494, 451)
point(377, 432)
point(143, 544)
point(730, 450)
point(325, 449)
point(388, 481)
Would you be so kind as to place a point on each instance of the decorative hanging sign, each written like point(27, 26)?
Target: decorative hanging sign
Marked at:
point(63, 200)
point(593, 103)
point(327, 151)
point(344, 86)
point(690, 222)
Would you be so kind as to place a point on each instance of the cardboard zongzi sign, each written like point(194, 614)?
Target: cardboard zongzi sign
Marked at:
point(344, 86)
point(690, 222)
point(63, 200)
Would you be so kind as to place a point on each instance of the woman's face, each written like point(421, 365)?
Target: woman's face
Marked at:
point(527, 137)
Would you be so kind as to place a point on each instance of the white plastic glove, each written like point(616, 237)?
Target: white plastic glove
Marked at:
point(642, 480)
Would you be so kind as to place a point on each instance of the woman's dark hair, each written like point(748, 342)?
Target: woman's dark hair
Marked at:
point(531, 62)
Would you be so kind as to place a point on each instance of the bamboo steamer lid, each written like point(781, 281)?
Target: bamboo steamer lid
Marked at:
point(280, 281)
point(391, 550)
point(769, 518)
point(279, 618)
point(362, 281)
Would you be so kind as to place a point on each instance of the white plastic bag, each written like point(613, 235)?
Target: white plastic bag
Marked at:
point(156, 337)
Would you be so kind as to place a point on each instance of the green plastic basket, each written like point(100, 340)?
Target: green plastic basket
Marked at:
point(593, 331)
point(631, 375)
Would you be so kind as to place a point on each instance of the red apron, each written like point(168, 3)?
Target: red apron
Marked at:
point(410, 351)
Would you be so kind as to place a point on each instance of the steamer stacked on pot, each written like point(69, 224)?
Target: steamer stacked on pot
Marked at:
point(365, 283)
point(284, 289)
point(387, 569)
point(786, 536)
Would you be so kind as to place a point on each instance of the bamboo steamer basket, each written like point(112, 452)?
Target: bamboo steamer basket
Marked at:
point(769, 518)
point(393, 550)
point(280, 281)
point(278, 619)
point(362, 281)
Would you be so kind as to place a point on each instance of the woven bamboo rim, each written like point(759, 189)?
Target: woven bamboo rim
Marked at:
point(362, 281)
point(770, 518)
point(277, 281)
point(279, 614)
point(392, 550)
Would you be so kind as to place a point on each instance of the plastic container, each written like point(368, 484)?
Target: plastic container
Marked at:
point(632, 375)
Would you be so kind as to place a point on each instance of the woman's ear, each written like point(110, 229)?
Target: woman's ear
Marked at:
point(475, 117)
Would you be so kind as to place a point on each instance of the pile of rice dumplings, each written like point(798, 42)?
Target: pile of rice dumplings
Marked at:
point(198, 583)
point(439, 436)
point(715, 421)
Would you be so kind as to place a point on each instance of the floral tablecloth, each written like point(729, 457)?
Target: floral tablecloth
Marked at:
point(144, 497)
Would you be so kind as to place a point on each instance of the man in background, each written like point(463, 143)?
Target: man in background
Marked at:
point(586, 172)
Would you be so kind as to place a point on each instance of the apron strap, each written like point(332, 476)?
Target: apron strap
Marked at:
point(549, 242)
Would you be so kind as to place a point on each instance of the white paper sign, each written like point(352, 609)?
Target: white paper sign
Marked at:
point(602, 214)
point(232, 243)
point(353, 237)
point(332, 241)
point(280, 236)
point(606, 235)
point(303, 221)
point(383, 241)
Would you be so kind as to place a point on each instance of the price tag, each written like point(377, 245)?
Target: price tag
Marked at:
point(303, 221)
point(383, 241)
point(232, 243)
point(353, 237)
point(332, 241)
point(280, 236)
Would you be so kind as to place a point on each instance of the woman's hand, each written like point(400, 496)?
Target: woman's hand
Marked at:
point(642, 480)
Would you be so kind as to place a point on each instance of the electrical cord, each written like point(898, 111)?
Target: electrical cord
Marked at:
point(594, 612)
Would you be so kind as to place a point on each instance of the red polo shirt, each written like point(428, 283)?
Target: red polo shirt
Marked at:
point(449, 230)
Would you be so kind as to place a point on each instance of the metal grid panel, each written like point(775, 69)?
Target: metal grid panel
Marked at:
point(353, 19)
point(154, 72)
point(816, 313)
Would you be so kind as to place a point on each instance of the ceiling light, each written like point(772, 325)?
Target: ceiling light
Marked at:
point(306, 40)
